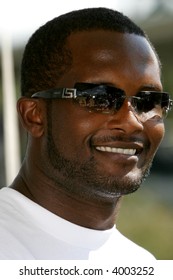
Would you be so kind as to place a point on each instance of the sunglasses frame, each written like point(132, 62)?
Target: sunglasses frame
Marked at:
point(91, 90)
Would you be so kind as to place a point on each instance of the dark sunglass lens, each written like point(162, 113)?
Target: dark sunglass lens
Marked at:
point(138, 104)
point(100, 97)
point(101, 102)
point(165, 100)
point(149, 101)
point(84, 86)
point(116, 98)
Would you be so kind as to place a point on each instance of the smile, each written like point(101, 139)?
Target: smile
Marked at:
point(130, 152)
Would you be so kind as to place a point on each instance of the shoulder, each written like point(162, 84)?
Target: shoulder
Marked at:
point(130, 250)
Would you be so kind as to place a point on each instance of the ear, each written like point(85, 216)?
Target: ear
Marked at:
point(31, 114)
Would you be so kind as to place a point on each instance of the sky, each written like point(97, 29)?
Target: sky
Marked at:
point(22, 17)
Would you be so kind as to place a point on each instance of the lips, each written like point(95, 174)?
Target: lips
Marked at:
point(109, 149)
point(122, 147)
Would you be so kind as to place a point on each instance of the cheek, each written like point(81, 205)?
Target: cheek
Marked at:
point(156, 133)
point(71, 131)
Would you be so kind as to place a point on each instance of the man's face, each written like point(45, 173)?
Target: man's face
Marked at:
point(81, 146)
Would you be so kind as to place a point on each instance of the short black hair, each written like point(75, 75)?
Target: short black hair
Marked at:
point(46, 56)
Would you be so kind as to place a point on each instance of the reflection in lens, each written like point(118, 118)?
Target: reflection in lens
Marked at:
point(108, 100)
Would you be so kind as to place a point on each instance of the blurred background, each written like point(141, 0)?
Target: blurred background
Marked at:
point(146, 217)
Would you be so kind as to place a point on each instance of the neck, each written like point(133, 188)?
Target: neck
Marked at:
point(94, 214)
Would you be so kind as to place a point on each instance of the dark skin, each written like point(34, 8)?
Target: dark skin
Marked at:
point(122, 60)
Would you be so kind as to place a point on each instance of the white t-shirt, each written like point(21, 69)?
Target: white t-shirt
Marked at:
point(29, 231)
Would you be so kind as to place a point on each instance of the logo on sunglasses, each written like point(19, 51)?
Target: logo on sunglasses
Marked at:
point(69, 93)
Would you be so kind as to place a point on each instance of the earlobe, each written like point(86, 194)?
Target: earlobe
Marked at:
point(31, 116)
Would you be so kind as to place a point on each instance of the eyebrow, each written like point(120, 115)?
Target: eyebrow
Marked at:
point(145, 87)
point(150, 87)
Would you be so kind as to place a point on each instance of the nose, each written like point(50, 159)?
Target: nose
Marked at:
point(126, 119)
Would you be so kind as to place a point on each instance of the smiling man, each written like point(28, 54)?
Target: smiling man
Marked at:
point(93, 106)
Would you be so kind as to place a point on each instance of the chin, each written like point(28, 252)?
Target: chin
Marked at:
point(116, 186)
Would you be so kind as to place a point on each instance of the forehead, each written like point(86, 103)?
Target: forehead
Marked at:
point(106, 42)
point(99, 52)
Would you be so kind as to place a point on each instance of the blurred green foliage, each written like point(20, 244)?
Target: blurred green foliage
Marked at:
point(147, 221)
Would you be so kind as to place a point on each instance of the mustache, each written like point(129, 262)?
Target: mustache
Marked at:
point(118, 138)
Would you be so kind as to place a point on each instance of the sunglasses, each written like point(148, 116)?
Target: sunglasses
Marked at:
point(108, 99)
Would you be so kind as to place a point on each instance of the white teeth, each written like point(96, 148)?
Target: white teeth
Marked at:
point(116, 150)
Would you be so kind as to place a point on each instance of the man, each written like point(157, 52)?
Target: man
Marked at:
point(93, 106)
